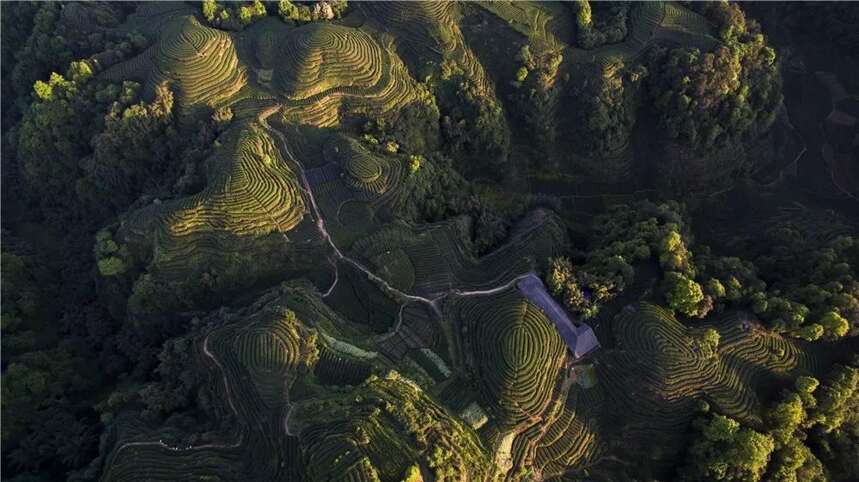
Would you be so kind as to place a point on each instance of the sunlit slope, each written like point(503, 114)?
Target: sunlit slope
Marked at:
point(321, 71)
point(428, 33)
point(382, 429)
point(261, 357)
point(200, 63)
point(251, 192)
point(364, 171)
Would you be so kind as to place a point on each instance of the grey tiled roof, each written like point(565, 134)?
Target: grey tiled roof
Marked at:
point(580, 339)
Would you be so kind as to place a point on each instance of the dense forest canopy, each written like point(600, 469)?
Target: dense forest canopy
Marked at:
point(385, 241)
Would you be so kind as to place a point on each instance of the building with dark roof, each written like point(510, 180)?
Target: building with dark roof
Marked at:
point(580, 339)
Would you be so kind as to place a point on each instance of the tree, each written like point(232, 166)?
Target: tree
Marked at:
point(715, 288)
point(258, 9)
point(33, 382)
point(133, 151)
point(835, 397)
point(708, 100)
point(583, 18)
point(110, 257)
point(474, 125)
point(413, 474)
point(726, 451)
point(45, 50)
point(245, 15)
point(521, 74)
point(415, 162)
point(20, 308)
point(805, 387)
point(786, 418)
point(834, 324)
point(709, 342)
point(210, 8)
point(560, 273)
point(50, 143)
point(287, 10)
point(608, 113)
point(683, 294)
point(752, 452)
point(810, 332)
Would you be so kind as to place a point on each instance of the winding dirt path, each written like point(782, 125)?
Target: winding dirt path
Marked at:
point(223, 373)
point(338, 256)
point(320, 223)
point(405, 298)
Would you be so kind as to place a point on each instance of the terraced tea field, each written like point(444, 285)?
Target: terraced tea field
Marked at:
point(342, 340)
point(649, 384)
point(517, 355)
point(252, 193)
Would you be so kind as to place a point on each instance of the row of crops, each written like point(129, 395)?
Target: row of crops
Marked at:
point(652, 381)
point(201, 62)
point(325, 71)
point(428, 32)
point(154, 461)
point(252, 192)
point(260, 358)
point(381, 429)
point(650, 384)
point(517, 355)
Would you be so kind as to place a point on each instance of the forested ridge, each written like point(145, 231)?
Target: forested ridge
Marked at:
point(284, 240)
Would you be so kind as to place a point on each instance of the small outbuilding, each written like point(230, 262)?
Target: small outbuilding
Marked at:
point(580, 339)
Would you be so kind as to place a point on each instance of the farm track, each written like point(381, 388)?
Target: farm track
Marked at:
point(339, 256)
point(433, 300)
point(320, 222)
point(223, 373)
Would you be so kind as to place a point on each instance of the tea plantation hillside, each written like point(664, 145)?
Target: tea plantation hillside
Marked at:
point(320, 240)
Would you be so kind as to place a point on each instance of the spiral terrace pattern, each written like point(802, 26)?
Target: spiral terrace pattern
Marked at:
point(318, 405)
point(150, 461)
point(255, 354)
point(428, 32)
point(252, 192)
point(363, 170)
point(657, 398)
point(649, 383)
point(321, 69)
point(517, 354)
point(381, 429)
point(270, 350)
point(571, 440)
point(199, 62)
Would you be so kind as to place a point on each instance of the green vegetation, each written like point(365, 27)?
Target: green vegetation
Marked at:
point(303, 13)
point(609, 111)
point(626, 236)
point(695, 285)
point(810, 423)
point(512, 342)
point(232, 17)
point(538, 93)
point(359, 435)
point(728, 452)
point(608, 27)
point(241, 247)
point(709, 99)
